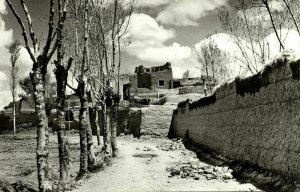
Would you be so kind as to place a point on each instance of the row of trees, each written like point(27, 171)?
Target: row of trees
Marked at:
point(87, 38)
point(248, 23)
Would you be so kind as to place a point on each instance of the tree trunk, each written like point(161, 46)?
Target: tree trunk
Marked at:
point(119, 65)
point(42, 152)
point(14, 116)
point(61, 75)
point(103, 114)
point(98, 127)
point(114, 113)
point(113, 37)
point(92, 162)
point(107, 126)
point(207, 77)
point(83, 117)
point(63, 148)
point(87, 156)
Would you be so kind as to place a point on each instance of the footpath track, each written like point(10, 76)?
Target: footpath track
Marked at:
point(141, 166)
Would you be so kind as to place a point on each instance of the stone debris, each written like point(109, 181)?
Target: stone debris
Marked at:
point(173, 145)
point(196, 170)
point(147, 149)
point(127, 137)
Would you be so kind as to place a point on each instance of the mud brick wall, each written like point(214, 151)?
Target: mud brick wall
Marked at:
point(6, 120)
point(156, 120)
point(166, 75)
point(256, 119)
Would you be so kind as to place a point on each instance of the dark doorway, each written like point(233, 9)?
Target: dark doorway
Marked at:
point(69, 116)
point(126, 91)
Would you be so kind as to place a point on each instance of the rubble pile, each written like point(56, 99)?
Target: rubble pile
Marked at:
point(196, 170)
point(128, 137)
point(172, 145)
point(73, 131)
point(149, 137)
point(125, 136)
point(147, 149)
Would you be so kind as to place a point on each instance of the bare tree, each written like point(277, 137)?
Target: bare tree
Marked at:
point(247, 31)
point(40, 59)
point(113, 20)
point(122, 15)
point(290, 4)
point(212, 63)
point(186, 74)
point(14, 50)
point(61, 75)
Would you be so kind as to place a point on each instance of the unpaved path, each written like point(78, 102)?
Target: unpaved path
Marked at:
point(129, 173)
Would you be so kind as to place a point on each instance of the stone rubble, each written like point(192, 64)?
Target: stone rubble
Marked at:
point(173, 145)
point(147, 149)
point(127, 137)
point(195, 170)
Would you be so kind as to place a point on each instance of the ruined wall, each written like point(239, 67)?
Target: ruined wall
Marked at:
point(129, 80)
point(156, 120)
point(256, 119)
point(143, 78)
point(166, 76)
point(149, 77)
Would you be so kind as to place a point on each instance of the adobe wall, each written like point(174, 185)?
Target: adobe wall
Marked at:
point(165, 75)
point(143, 79)
point(6, 120)
point(156, 120)
point(256, 119)
point(126, 79)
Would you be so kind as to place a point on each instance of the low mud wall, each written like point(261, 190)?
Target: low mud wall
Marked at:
point(128, 122)
point(256, 119)
point(6, 120)
point(154, 120)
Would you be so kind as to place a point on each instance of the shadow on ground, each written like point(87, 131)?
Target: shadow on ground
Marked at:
point(244, 172)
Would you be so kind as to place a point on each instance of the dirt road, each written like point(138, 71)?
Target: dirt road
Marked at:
point(141, 166)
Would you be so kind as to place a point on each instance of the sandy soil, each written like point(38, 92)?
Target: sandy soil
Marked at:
point(18, 162)
point(129, 173)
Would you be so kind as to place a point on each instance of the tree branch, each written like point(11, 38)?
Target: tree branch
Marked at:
point(292, 15)
point(97, 81)
point(30, 27)
point(50, 30)
point(24, 33)
point(73, 89)
point(266, 3)
point(52, 51)
point(69, 64)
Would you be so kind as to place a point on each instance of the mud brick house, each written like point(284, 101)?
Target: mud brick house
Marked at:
point(25, 114)
point(127, 86)
point(24, 105)
point(159, 77)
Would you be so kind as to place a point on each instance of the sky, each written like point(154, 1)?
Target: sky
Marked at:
point(161, 31)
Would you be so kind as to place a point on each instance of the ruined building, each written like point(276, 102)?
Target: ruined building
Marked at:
point(159, 77)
